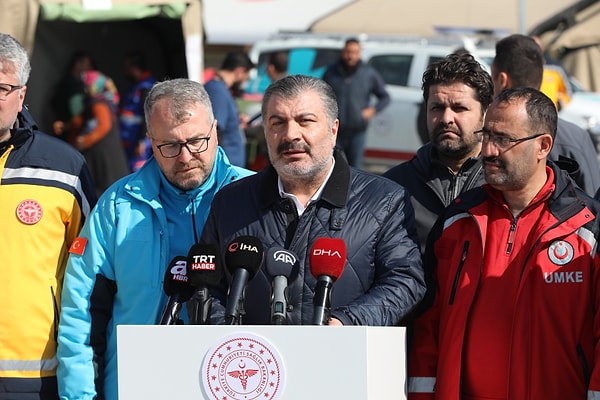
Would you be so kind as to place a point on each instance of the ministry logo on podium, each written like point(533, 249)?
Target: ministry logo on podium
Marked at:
point(243, 367)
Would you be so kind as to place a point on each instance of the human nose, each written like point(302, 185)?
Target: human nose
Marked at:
point(448, 116)
point(489, 148)
point(185, 154)
point(291, 131)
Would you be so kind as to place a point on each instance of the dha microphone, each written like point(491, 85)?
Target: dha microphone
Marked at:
point(279, 264)
point(204, 271)
point(178, 289)
point(327, 261)
point(243, 259)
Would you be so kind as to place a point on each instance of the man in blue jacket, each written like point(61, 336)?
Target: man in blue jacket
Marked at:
point(354, 82)
point(115, 271)
point(309, 193)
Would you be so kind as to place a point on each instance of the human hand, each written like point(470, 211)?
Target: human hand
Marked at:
point(368, 113)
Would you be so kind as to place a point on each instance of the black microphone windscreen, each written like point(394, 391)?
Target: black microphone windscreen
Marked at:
point(244, 252)
point(280, 262)
point(204, 266)
point(176, 280)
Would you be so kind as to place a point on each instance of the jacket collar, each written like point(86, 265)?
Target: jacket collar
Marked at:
point(23, 129)
point(335, 191)
point(145, 184)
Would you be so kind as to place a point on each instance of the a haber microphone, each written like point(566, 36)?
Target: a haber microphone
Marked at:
point(204, 270)
point(327, 261)
point(280, 264)
point(177, 287)
point(243, 259)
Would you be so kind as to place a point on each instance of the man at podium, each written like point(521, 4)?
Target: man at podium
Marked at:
point(311, 202)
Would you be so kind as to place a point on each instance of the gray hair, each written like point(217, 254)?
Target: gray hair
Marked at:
point(293, 86)
point(182, 94)
point(13, 53)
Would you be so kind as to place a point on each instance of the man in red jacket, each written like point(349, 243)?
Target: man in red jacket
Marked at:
point(516, 272)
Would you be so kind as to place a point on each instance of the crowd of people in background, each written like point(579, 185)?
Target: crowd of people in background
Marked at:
point(484, 246)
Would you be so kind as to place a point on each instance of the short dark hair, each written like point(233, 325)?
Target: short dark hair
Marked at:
point(352, 40)
point(279, 60)
point(541, 111)
point(462, 67)
point(235, 59)
point(522, 59)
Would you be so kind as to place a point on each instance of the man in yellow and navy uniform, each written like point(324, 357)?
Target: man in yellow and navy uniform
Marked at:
point(46, 192)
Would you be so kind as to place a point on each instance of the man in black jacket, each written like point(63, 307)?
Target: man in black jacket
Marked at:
point(354, 82)
point(457, 92)
point(309, 192)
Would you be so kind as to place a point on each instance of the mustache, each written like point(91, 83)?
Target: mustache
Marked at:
point(494, 160)
point(440, 128)
point(294, 146)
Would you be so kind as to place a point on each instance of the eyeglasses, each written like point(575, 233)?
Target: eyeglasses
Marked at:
point(503, 142)
point(6, 89)
point(194, 146)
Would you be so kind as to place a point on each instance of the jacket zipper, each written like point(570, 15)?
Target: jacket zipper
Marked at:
point(463, 258)
point(56, 313)
point(511, 236)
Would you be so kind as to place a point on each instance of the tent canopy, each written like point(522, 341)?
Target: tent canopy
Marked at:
point(167, 32)
point(572, 36)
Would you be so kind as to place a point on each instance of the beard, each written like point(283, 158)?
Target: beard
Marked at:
point(303, 170)
point(452, 147)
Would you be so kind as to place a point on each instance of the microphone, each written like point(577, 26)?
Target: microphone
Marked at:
point(243, 259)
point(279, 264)
point(203, 271)
point(178, 289)
point(327, 261)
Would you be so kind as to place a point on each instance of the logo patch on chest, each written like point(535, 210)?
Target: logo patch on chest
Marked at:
point(560, 252)
point(29, 212)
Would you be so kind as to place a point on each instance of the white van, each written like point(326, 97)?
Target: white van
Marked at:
point(394, 135)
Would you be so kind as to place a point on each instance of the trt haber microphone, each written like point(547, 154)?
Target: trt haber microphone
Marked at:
point(204, 270)
point(177, 287)
point(327, 261)
point(280, 264)
point(243, 259)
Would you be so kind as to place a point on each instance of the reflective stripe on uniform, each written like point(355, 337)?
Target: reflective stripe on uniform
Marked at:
point(28, 365)
point(421, 384)
point(593, 395)
point(50, 175)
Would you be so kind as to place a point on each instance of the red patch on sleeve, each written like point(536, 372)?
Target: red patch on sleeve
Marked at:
point(78, 246)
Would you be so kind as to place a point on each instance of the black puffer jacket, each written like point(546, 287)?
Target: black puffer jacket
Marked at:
point(433, 186)
point(383, 278)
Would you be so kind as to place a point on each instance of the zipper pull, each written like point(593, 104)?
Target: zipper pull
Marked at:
point(511, 236)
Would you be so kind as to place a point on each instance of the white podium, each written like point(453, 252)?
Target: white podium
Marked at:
point(260, 362)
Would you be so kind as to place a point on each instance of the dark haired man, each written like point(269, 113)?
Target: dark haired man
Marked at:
point(519, 62)
point(456, 92)
point(234, 71)
point(516, 273)
point(353, 82)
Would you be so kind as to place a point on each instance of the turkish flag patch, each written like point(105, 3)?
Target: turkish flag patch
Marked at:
point(78, 246)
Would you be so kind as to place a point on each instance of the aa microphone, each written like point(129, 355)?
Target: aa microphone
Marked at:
point(204, 270)
point(243, 259)
point(177, 287)
point(279, 264)
point(327, 261)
